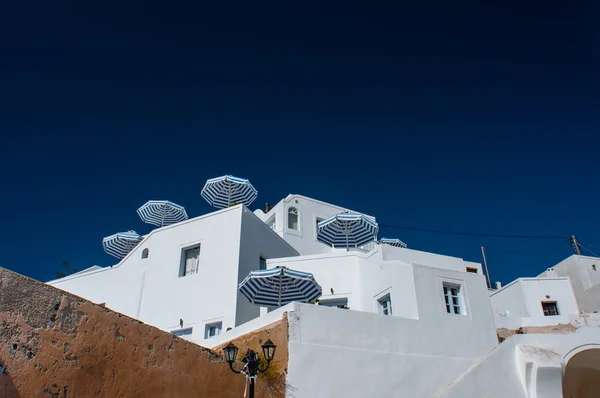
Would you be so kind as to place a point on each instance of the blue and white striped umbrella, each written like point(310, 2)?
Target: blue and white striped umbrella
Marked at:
point(222, 192)
point(392, 242)
point(121, 243)
point(347, 230)
point(279, 286)
point(161, 213)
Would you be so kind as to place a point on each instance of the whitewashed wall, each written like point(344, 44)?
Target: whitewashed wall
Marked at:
point(342, 353)
point(519, 303)
point(362, 278)
point(503, 374)
point(584, 279)
point(304, 240)
point(231, 242)
point(257, 240)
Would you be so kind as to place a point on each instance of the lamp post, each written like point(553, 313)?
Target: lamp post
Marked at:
point(252, 365)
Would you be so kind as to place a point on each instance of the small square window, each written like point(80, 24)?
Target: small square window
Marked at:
point(262, 263)
point(184, 333)
point(212, 330)
point(452, 298)
point(472, 270)
point(550, 308)
point(385, 305)
point(189, 261)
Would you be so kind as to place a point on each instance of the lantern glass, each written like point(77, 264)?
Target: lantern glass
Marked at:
point(269, 350)
point(231, 352)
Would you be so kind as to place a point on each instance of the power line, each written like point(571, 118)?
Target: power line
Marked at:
point(586, 248)
point(439, 231)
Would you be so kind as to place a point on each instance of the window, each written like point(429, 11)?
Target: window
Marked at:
point(262, 263)
point(385, 305)
point(212, 330)
point(452, 298)
point(293, 218)
point(189, 261)
point(145, 253)
point(341, 302)
point(317, 221)
point(550, 308)
point(184, 333)
point(472, 270)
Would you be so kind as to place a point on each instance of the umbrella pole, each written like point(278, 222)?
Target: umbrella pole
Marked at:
point(280, 289)
point(347, 243)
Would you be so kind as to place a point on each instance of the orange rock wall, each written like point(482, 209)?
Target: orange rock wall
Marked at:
point(270, 384)
point(57, 345)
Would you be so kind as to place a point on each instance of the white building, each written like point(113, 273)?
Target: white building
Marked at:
point(584, 274)
point(421, 321)
point(534, 302)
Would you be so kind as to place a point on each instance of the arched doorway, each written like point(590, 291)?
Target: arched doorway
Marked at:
point(582, 375)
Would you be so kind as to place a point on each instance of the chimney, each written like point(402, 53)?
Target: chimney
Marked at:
point(267, 208)
point(498, 285)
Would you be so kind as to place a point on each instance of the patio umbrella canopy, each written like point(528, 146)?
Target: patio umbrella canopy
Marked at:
point(392, 242)
point(347, 230)
point(279, 286)
point(225, 191)
point(121, 243)
point(161, 213)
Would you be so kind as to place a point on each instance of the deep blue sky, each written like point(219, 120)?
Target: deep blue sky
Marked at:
point(447, 115)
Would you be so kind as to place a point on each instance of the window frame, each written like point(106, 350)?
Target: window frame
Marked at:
point(465, 308)
point(262, 260)
point(551, 302)
point(183, 257)
point(209, 325)
point(287, 219)
point(472, 270)
point(452, 299)
point(386, 298)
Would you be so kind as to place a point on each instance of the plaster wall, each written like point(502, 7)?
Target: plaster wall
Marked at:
point(584, 279)
point(409, 256)
point(509, 301)
point(332, 271)
point(341, 353)
point(482, 380)
point(363, 278)
point(231, 243)
point(257, 240)
point(304, 240)
point(519, 303)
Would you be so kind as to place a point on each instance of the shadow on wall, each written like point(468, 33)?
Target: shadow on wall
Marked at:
point(7, 388)
point(582, 375)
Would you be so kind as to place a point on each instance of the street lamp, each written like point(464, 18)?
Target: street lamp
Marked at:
point(252, 365)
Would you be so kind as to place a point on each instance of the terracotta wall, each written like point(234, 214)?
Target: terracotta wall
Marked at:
point(54, 344)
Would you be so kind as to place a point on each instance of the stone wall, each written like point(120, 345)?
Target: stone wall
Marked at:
point(54, 344)
point(272, 383)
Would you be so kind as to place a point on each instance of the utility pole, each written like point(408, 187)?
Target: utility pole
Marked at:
point(487, 272)
point(575, 245)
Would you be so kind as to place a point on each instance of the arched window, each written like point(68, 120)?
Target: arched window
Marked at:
point(145, 253)
point(293, 218)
